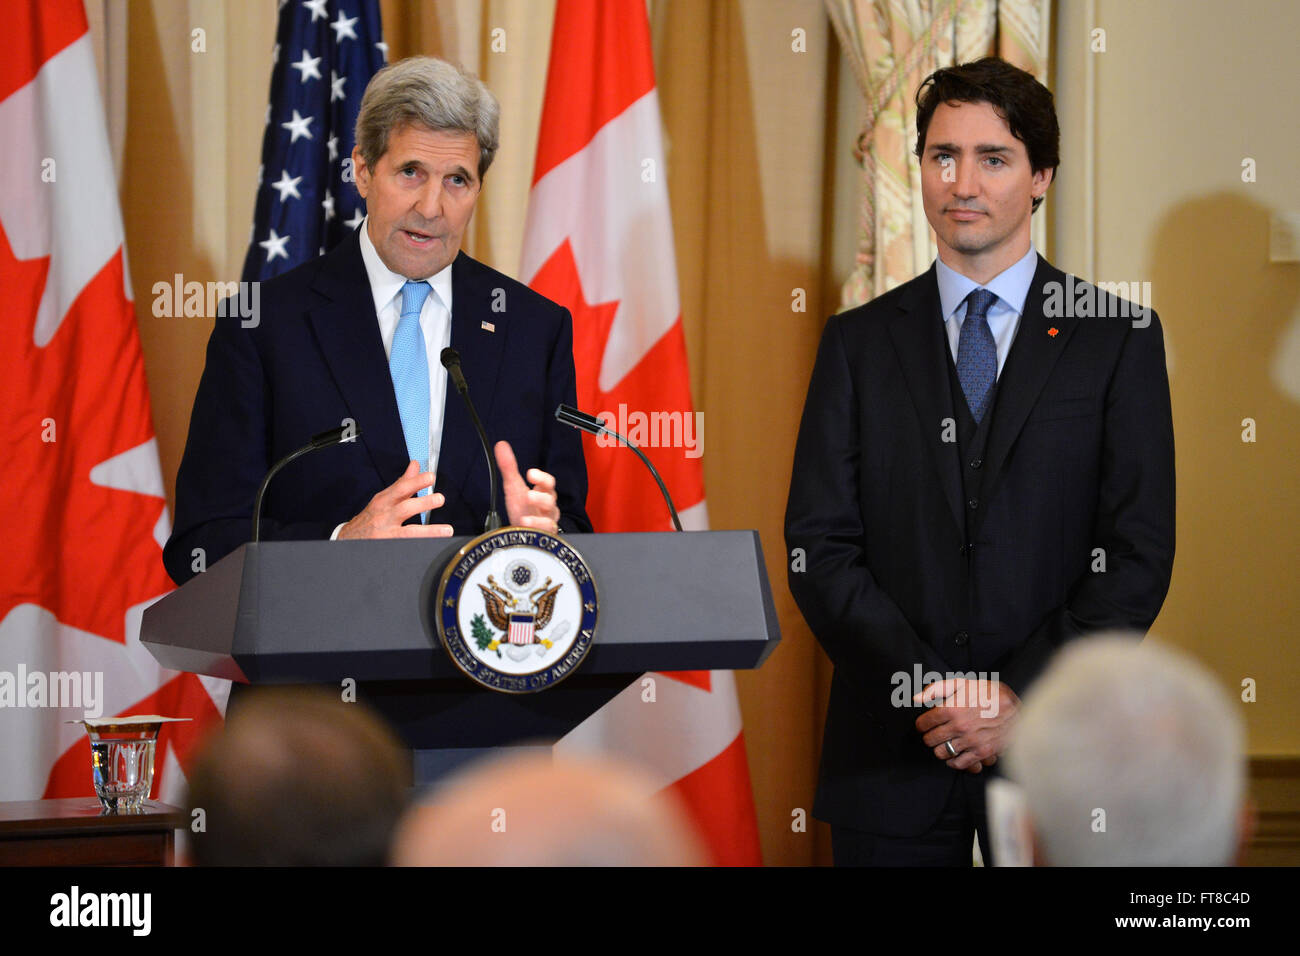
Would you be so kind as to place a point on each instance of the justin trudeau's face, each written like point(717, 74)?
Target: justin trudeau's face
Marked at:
point(977, 184)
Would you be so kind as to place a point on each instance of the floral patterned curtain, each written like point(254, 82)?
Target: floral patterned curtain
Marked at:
point(892, 45)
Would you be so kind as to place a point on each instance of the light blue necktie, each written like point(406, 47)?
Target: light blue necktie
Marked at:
point(977, 353)
point(409, 365)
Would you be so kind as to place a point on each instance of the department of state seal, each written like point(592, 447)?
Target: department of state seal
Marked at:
point(516, 610)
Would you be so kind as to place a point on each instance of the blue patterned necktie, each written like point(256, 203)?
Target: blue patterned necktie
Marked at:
point(409, 365)
point(977, 353)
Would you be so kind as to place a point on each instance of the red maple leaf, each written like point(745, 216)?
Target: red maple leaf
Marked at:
point(83, 551)
point(623, 496)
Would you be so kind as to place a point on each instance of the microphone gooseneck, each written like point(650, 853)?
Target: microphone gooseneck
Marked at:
point(344, 433)
point(451, 362)
point(596, 426)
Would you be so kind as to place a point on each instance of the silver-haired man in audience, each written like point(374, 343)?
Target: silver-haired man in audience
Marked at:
point(1129, 753)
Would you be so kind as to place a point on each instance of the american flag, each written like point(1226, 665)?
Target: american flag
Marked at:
point(325, 53)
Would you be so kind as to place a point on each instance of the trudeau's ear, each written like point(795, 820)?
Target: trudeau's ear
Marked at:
point(1042, 179)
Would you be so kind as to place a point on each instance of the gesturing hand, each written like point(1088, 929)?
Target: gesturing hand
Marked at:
point(535, 507)
point(976, 716)
point(383, 516)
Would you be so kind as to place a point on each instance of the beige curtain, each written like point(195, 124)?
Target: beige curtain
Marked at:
point(891, 46)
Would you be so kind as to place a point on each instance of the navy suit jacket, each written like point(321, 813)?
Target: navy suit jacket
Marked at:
point(315, 359)
point(1080, 456)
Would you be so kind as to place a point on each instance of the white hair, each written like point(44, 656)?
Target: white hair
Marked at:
point(1130, 754)
point(432, 93)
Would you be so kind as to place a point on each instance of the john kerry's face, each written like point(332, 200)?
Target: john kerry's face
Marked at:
point(419, 197)
point(978, 188)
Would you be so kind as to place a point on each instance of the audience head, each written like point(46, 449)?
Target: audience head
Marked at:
point(540, 810)
point(1128, 753)
point(298, 778)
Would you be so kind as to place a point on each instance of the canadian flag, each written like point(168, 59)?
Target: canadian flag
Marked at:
point(599, 241)
point(81, 494)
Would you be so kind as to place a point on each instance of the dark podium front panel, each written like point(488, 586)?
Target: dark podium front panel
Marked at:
point(322, 612)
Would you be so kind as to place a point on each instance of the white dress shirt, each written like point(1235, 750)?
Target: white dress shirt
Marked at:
point(435, 323)
point(1011, 286)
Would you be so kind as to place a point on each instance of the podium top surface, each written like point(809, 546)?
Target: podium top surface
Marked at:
point(309, 611)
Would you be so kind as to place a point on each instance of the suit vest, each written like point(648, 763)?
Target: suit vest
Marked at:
point(971, 441)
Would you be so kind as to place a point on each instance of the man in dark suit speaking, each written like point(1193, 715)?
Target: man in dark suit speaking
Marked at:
point(354, 337)
point(984, 471)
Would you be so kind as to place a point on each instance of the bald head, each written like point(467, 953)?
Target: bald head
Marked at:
point(543, 811)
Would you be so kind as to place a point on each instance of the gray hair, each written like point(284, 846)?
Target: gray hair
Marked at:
point(1144, 733)
point(432, 93)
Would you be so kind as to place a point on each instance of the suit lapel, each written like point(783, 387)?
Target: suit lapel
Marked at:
point(918, 336)
point(347, 331)
point(472, 300)
point(1038, 344)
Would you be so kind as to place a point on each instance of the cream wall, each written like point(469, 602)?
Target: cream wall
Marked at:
point(1184, 92)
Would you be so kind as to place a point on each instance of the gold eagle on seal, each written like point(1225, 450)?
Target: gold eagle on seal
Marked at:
point(500, 604)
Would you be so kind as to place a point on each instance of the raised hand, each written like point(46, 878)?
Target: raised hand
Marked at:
point(535, 507)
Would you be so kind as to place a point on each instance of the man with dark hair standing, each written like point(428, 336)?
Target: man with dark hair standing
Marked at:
point(984, 471)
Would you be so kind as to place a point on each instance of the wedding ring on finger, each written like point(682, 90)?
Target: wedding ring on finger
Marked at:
point(952, 751)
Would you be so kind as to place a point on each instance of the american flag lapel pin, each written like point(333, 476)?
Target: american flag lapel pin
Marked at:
point(488, 326)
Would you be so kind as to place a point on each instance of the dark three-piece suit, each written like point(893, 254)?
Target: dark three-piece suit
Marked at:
point(920, 537)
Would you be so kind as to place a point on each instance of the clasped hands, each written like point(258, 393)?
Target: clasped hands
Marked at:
point(529, 507)
point(975, 716)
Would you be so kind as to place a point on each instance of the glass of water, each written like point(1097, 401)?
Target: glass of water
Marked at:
point(122, 765)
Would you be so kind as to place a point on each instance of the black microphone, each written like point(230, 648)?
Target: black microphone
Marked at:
point(596, 426)
point(451, 362)
point(344, 433)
